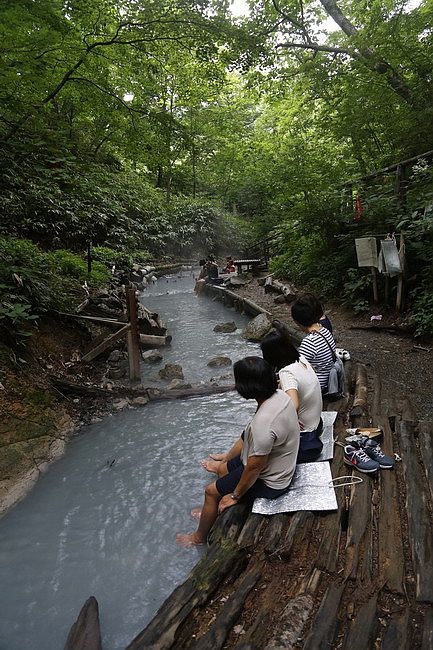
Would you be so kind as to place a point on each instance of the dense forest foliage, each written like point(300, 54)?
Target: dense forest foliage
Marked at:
point(166, 129)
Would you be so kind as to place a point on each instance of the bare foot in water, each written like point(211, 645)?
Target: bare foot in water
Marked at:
point(195, 513)
point(211, 465)
point(189, 540)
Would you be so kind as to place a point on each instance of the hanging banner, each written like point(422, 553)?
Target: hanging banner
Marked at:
point(366, 251)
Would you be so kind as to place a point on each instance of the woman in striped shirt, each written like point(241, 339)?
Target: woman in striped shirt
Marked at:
point(318, 347)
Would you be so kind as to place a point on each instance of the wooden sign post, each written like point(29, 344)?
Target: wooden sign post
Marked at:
point(133, 336)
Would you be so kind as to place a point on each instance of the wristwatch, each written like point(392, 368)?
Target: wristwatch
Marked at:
point(235, 496)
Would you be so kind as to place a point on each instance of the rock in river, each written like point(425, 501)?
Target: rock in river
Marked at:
point(257, 328)
point(217, 362)
point(151, 356)
point(225, 327)
point(171, 371)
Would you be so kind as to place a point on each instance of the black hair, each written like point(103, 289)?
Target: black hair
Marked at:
point(278, 351)
point(306, 310)
point(254, 378)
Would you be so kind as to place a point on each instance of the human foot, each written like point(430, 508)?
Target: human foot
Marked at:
point(211, 465)
point(193, 539)
point(195, 513)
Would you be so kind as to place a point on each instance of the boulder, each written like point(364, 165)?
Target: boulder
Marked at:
point(171, 371)
point(257, 328)
point(225, 327)
point(152, 356)
point(115, 356)
point(140, 401)
point(178, 384)
point(218, 362)
point(120, 404)
point(116, 372)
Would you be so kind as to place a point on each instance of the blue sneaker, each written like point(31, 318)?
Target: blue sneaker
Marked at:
point(358, 458)
point(373, 450)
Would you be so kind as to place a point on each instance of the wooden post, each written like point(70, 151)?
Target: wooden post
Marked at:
point(399, 301)
point(374, 279)
point(133, 336)
point(89, 256)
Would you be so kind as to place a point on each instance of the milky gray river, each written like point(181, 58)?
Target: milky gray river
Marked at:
point(90, 529)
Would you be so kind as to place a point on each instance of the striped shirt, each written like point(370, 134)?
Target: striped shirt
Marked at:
point(316, 350)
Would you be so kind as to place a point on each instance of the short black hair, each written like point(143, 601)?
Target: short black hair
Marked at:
point(254, 378)
point(305, 311)
point(278, 351)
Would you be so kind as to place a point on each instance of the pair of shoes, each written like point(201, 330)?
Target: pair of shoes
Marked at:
point(367, 456)
point(344, 355)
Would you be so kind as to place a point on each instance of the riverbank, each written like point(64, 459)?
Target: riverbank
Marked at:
point(39, 413)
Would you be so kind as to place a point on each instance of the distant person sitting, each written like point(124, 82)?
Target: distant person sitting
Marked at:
point(318, 347)
point(230, 265)
point(300, 382)
point(262, 462)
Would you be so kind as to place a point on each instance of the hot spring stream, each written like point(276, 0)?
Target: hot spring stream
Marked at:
point(90, 529)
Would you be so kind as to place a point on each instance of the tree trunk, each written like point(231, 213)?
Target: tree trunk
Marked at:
point(371, 60)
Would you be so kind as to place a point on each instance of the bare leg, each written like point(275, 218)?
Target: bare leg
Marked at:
point(196, 513)
point(211, 465)
point(222, 469)
point(207, 519)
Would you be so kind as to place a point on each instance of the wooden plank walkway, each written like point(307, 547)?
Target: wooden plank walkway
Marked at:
point(306, 581)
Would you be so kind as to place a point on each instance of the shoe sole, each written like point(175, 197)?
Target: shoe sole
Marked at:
point(364, 471)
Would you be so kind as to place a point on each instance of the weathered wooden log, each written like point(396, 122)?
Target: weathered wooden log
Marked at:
point(291, 623)
point(299, 528)
point(251, 531)
point(248, 306)
point(81, 389)
point(155, 341)
point(324, 627)
point(106, 343)
point(359, 518)
point(283, 289)
point(390, 544)
point(425, 437)
point(202, 582)
point(388, 329)
point(419, 525)
point(217, 634)
point(156, 395)
point(362, 632)
point(427, 632)
point(85, 633)
point(255, 636)
point(229, 523)
point(327, 554)
point(396, 634)
point(274, 532)
point(359, 407)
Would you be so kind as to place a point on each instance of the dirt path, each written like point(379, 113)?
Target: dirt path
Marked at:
point(403, 370)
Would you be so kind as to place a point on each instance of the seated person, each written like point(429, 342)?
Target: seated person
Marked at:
point(230, 266)
point(318, 347)
point(212, 272)
point(300, 382)
point(263, 461)
point(315, 303)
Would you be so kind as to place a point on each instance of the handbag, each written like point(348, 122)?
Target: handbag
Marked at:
point(335, 387)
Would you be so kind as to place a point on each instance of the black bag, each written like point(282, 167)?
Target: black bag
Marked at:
point(310, 445)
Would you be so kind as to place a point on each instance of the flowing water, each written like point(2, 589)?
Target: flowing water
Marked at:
point(92, 526)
